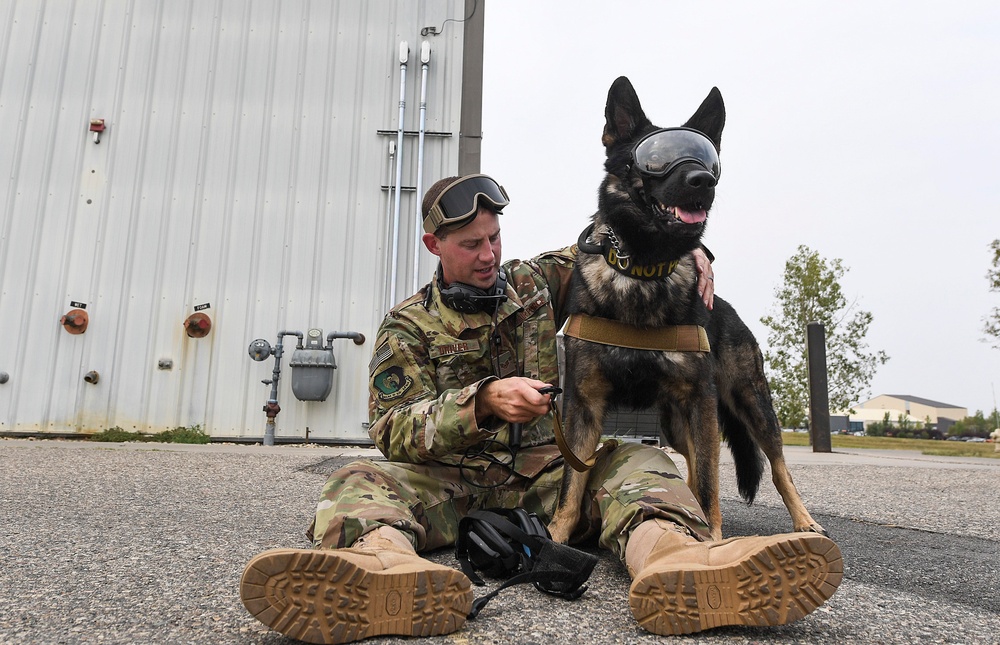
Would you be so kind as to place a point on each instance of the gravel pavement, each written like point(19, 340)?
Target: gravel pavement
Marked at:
point(145, 543)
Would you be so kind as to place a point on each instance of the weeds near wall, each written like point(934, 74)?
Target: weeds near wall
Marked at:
point(180, 434)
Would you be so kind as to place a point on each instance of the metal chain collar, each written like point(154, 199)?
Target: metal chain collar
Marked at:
point(623, 260)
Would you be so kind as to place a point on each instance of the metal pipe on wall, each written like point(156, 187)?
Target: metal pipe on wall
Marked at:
point(404, 55)
point(390, 183)
point(425, 58)
point(271, 407)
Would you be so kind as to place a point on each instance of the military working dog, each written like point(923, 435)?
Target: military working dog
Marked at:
point(639, 335)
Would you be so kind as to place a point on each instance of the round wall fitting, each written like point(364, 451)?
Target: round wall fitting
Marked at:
point(75, 321)
point(198, 325)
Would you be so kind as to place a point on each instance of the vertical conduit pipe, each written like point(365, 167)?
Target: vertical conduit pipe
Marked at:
point(271, 408)
point(404, 55)
point(425, 58)
point(388, 219)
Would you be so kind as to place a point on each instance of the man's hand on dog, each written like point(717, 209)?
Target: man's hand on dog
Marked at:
point(706, 277)
point(515, 399)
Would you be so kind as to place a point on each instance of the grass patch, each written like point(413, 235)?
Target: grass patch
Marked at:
point(116, 435)
point(925, 446)
point(180, 434)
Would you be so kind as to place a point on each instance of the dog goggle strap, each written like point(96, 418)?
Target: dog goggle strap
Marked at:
point(661, 151)
point(460, 200)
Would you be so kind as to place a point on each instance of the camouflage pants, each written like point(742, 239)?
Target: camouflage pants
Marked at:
point(630, 484)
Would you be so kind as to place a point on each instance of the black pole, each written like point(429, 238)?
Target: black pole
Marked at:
point(819, 396)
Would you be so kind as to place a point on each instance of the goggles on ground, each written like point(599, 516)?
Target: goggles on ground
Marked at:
point(460, 201)
point(659, 152)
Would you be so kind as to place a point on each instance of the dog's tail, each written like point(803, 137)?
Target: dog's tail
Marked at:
point(747, 456)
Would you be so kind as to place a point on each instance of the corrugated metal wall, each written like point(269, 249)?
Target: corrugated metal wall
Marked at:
point(241, 173)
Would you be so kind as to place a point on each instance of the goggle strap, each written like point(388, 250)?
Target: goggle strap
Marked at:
point(438, 217)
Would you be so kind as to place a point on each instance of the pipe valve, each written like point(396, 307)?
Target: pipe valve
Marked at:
point(75, 321)
point(97, 127)
point(198, 325)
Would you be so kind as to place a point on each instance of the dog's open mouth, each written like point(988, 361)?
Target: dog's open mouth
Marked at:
point(690, 215)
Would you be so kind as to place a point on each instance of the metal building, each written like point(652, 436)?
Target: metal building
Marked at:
point(238, 160)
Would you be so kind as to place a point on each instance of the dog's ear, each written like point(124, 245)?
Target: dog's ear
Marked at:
point(623, 114)
point(710, 117)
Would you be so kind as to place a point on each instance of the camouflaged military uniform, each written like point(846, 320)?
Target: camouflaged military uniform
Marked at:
point(429, 362)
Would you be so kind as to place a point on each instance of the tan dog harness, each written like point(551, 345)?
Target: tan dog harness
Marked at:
point(672, 338)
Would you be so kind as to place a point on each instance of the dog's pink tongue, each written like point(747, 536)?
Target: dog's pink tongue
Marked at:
point(691, 217)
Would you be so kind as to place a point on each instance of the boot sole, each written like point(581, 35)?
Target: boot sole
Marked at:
point(779, 584)
point(319, 597)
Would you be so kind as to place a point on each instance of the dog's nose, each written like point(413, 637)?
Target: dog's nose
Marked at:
point(700, 179)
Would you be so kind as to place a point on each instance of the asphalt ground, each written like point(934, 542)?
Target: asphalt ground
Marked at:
point(145, 543)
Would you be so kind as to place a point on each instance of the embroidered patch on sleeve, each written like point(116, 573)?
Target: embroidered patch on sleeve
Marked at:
point(391, 383)
point(381, 355)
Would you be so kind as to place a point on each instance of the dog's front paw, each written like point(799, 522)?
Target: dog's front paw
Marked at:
point(813, 527)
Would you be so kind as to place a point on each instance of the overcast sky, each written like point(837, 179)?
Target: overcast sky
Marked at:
point(868, 131)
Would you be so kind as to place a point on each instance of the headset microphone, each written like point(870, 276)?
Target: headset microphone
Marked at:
point(467, 299)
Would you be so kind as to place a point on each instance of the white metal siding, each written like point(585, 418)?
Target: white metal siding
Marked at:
point(241, 169)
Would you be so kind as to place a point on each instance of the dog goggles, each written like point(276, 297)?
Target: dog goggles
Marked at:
point(659, 152)
point(460, 201)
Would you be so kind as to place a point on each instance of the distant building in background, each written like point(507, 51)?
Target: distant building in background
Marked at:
point(912, 408)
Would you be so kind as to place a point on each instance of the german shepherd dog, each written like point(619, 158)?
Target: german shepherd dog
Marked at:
point(635, 272)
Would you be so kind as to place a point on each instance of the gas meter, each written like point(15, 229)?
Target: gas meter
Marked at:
point(312, 368)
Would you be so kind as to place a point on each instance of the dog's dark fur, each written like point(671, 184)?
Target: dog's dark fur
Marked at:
point(697, 394)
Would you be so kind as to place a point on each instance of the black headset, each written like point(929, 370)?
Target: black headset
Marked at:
point(514, 545)
point(467, 299)
point(489, 541)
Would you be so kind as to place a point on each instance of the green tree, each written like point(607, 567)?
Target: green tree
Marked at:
point(992, 327)
point(977, 425)
point(811, 292)
point(878, 428)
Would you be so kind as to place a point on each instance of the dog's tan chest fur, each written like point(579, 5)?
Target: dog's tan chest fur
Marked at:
point(636, 300)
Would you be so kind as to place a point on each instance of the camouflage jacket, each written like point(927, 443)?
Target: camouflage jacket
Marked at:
point(429, 361)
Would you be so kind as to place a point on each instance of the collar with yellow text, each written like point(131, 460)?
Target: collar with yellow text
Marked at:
point(623, 263)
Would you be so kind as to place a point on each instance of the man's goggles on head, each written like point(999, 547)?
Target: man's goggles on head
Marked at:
point(659, 152)
point(460, 201)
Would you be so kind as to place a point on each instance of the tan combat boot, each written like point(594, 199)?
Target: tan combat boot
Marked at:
point(379, 586)
point(681, 585)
